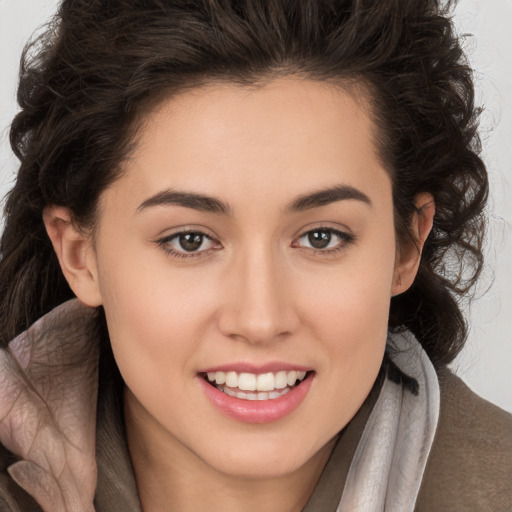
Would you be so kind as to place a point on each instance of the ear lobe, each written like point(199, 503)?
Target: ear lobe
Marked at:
point(408, 259)
point(75, 253)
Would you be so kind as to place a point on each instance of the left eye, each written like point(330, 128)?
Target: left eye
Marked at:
point(321, 239)
point(189, 242)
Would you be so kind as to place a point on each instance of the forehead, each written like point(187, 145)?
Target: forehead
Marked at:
point(280, 139)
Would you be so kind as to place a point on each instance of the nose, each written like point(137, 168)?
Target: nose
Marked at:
point(259, 306)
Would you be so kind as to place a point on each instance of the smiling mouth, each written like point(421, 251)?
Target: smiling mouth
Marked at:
point(251, 386)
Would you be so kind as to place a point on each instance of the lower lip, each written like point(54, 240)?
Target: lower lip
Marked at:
point(258, 411)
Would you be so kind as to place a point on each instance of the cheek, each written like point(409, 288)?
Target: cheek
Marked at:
point(353, 296)
point(157, 315)
point(155, 310)
point(348, 311)
point(353, 322)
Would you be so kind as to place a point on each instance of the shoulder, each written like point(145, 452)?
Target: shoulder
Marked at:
point(470, 464)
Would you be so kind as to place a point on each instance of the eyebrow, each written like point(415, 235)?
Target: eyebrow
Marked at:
point(214, 205)
point(327, 196)
point(186, 199)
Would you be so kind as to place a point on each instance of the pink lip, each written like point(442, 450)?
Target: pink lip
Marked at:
point(255, 368)
point(257, 411)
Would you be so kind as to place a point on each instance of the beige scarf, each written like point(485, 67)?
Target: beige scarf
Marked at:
point(387, 468)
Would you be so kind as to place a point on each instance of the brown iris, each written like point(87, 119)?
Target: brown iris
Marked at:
point(190, 241)
point(319, 239)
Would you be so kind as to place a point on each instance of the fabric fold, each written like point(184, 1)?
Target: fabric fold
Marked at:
point(48, 394)
point(388, 466)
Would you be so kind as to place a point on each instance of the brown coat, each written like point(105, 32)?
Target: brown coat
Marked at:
point(469, 468)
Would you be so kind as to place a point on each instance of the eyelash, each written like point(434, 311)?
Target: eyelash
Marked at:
point(164, 243)
point(344, 240)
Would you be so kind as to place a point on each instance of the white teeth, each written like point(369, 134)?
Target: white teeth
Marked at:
point(247, 381)
point(265, 382)
point(264, 385)
point(292, 377)
point(229, 391)
point(281, 380)
point(231, 379)
point(219, 377)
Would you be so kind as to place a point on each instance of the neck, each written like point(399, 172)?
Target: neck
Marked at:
point(171, 477)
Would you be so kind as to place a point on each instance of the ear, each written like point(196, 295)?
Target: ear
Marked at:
point(409, 256)
point(75, 252)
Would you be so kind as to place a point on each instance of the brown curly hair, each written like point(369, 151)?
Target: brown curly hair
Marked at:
point(101, 64)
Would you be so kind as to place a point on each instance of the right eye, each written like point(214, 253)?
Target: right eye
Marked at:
point(188, 244)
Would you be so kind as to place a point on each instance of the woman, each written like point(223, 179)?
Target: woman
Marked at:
point(264, 211)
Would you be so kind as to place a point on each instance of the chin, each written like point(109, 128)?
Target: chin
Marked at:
point(264, 460)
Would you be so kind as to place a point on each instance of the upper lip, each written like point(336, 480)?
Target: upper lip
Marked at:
point(245, 367)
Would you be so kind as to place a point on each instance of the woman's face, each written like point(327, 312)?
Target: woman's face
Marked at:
point(250, 237)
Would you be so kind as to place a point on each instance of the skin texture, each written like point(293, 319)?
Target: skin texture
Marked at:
point(256, 292)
